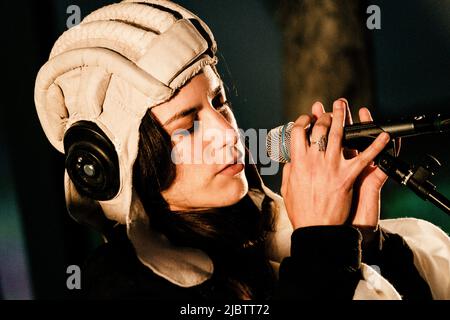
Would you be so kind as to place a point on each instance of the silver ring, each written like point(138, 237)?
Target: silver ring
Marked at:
point(322, 143)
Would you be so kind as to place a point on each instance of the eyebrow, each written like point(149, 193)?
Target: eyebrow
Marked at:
point(181, 114)
point(184, 113)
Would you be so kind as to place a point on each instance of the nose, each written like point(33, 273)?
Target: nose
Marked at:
point(225, 133)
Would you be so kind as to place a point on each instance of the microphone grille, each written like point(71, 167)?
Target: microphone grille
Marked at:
point(278, 143)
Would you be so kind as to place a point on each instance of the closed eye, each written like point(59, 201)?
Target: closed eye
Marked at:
point(224, 109)
point(194, 120)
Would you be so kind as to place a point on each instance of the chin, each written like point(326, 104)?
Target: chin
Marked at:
point(224, 192)
point(234, 190)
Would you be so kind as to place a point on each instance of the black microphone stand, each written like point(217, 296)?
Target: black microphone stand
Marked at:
point(414, 177)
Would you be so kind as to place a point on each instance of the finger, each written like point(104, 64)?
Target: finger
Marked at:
point(366, 157)
point(348, 114)
point(398, 146)
point(299, 142)
point(285, 178)
point(317, 110)
point(380, 174)
point(348, 153)
point(319, 134)
point(337, 130)
point(365, 115)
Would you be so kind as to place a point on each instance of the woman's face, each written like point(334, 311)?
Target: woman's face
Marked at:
point(208, 153)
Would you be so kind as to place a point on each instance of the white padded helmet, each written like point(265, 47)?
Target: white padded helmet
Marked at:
point(108, 71)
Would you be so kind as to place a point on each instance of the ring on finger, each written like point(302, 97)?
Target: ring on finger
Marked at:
point(321, 143)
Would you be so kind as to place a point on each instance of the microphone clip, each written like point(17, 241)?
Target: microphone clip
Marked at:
point(414, 177)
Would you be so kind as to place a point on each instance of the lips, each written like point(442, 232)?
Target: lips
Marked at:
point(234, 161)
point(235, 166)
point(232, 169)
point(228, 165)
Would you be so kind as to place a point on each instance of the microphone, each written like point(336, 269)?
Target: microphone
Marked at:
point(359, 135)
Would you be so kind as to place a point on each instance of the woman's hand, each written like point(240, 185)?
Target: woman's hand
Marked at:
point(317, 185)
point(368, 186)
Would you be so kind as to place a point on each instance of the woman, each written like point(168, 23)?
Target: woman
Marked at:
point(155, 163)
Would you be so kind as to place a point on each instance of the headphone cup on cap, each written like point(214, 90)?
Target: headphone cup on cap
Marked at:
point(91, 161)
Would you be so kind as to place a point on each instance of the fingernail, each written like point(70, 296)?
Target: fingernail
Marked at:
point(338, 106)
point(344, 101)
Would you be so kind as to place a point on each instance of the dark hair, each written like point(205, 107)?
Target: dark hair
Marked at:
point(233, 236)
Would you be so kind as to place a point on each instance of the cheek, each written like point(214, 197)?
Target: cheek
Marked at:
point(196, 186)
point(188, 150)
point(190, 179)
point(198, 175)
point(202, 186)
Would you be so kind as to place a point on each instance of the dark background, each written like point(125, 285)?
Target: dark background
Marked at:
point(411, 70)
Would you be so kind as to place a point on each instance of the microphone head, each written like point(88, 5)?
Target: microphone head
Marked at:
point(278, 143)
